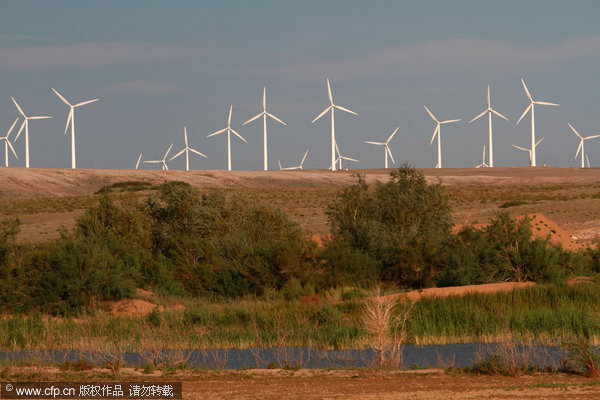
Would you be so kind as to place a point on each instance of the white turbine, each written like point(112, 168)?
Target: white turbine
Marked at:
point(489, 111)
point(528, 150)
point(581, 145)
point(137, 164)
point(483, 164)
point(265, 114)
point(386, 147)
point(228, 130)
point(332, 107)
point(163, 162)
point(298, 167)
point(532, 106)
point(187, 150)
point(71, 120)
point(437, 132)
point(340, 157)
point(587, 160)
point(25, 125)
point(7, 143)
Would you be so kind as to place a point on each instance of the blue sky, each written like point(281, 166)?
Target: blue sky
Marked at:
point(159, 65)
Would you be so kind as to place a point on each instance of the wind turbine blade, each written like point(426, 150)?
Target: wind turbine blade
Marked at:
point(488, 97)
point(83, 103)
point(525, 112)
point(345, 109)
point(137, 164)
point(11, 147)
point(329, 91)
point(591, 137)
point(69, 118)
point(185, 135)
point(238, 135)
point(435, 132)
point(375, 143)
point(197, 152)
point(265, 98)
point(450, 121)
point(167, 153)
point(62, 98)
point(253, 118)
point(279, 162)
point(544, 103)
point(337, 150)
point(21, 129)
point(578, 149)
point(498, 114)
point(479, 116)
point(390, 153)
point(19, 108)
point(276, 119)
point(520, 148)
point(217, 132)
point(304, 157)
point(392, 135)
point(587, 160)
point(574, 131)
point(41, 117)
point(348, 158)
point(431, 114)
point(229, 119)
point(539, 141)
point(177, 155)
point(526, 90)
point(153, 161)
point(11, 128)
point(323, 113)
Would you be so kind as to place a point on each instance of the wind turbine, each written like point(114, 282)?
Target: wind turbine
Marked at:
point(187, 150)
point(137, 164)
point(437, 132)
point(341, 157)
point(581, 146)
point(387, 148)
point(489, 111)
point(532, 106)
point(71, 120)
point(25, 125)
point(299, 167)
point(229, 130)
point(265, 114)
point(7, 143)
point(163, 161)
point(529, 150)
point(483, 164)
point(332, 107)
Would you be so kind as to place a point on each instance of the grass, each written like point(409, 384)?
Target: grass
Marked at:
point(546, 314)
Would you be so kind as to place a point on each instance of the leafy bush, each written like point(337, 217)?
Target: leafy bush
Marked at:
point(401, 225)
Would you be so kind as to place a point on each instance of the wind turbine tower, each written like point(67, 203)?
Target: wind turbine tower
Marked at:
point(71, 120)
point(386, 147)
point(331, 108)
point(532, 107)
point(25, 125)
point(265, 114)
point(489, 111)
point(229, 130)
point(187, 150)
point(581, 145)
point(437, 132)
point(7, 144)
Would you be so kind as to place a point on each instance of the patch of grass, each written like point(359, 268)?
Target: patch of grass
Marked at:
point(513, 203)
point(127, 186)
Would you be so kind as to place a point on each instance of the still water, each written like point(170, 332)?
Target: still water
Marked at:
point(449, 355)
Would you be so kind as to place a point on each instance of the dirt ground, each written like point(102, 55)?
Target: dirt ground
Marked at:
point(48, 199)
point(362, 385)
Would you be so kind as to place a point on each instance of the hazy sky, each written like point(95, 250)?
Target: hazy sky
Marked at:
point(159, 65)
